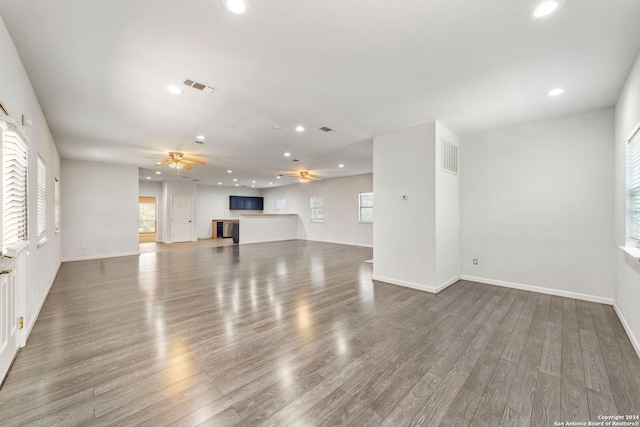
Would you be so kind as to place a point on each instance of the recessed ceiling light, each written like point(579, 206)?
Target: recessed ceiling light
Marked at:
point(175, 90)
point(235, 6)
point(287, 154)
point(271, 183)
point(237, 185)
point(300, 128)
point(148, 177)
point(253, 186)
point(200, 138)
point(219, 183)
point(235, 179)
point(340, 165)
point(555, 92)
point(253, 182)
point(158, 172)
point(545, 8)
point(229, 171)
point(277, 127)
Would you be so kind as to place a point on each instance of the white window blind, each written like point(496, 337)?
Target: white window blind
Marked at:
point(14, 187)
point(42, 199)
point(56, 193)
point(365, 201)
point(316, 205)
point(633, 184)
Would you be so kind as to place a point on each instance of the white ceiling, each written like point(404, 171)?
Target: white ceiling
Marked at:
point(101, 68)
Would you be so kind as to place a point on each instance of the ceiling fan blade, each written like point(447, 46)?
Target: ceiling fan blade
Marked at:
point(186, 166)
point(313, 178)
point(193, 162)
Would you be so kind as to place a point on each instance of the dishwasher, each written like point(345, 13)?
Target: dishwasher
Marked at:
point(227, 229)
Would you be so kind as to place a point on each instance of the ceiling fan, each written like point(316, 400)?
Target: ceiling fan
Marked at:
point(303, 176)
point(177, 161)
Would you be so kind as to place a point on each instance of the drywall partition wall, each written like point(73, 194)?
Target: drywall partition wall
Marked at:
point(340, 197)
point(17, 95)
point(177, 188)
point(404, 189)
point(100, 206)
point(536, 206)
point(447, 208)
point(627, 283)
point(154, 188)
point(213, 203)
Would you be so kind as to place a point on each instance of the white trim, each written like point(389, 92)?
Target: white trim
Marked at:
point(411, 285)
point(631, 252)
point(362, 245)
point(548, 291)
point(90, 257)
point(37, 313)
point(634, 341)
point(265, 241)
point(446, 284)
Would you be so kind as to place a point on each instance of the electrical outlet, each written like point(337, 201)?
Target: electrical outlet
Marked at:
point(475, 261)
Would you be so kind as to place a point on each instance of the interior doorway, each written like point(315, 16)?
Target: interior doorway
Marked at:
point(148, 218)
point(181, 219)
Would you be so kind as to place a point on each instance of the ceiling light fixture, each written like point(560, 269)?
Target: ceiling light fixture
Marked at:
point(175, 90)
point(200, 138)
point(545, 9)
point(271, 183)
point(229, 171)
point(279, 176)
point(237, 185)
point(148, 177)
point(555, 92)
point(300, 128)
point(340, 165)
point(235, 6)
point(158, 173)
point(235, 179)
point(219, 183)
point(253, 182)
point(287, 154)
point(277, 127)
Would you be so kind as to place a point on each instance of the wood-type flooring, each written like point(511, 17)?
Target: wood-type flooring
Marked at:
point(296, 333)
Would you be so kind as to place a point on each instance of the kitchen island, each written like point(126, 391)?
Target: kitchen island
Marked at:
point(258, 228)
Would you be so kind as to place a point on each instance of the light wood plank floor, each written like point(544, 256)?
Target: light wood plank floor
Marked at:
point(295, 333)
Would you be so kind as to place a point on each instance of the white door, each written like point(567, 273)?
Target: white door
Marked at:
point(181, 219)
point(11, 295)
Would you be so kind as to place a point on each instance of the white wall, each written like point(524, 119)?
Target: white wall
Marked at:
point(340, 209)
point(18, 96)
point(213, 203)
point(404, 230)
point(100, 210)
point(627, 284)
point(154, 189)
point(447, 211)
point(536, 204)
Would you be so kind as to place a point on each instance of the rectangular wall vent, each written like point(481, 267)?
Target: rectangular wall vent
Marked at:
point(449, 157)
point(199, 86)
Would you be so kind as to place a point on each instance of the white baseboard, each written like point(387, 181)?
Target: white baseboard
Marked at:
point(634, 341)
point(548, 291)
point(102, 256)
point(32, 321)
point(341, 243)
point(446, 284)
point(411, 285)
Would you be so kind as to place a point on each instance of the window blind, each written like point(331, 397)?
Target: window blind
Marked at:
point(42, 199)
point(14, 187)
point(366, 207)
point(633, 184)
point(317, 209)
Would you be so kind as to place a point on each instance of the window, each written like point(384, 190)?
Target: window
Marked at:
point(281, 206)
point(317, 209)
point(56, 193)
point(42, 199)
point(365, 207)
point(633, 185)
point(146, 214)
point(14, 157)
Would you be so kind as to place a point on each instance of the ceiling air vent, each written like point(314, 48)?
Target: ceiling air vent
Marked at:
point(199, 86)
point(327, 129)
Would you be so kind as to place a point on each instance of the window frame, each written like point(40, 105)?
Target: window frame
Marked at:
point(361, 207)
point(316, 209)
point(633, 188)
